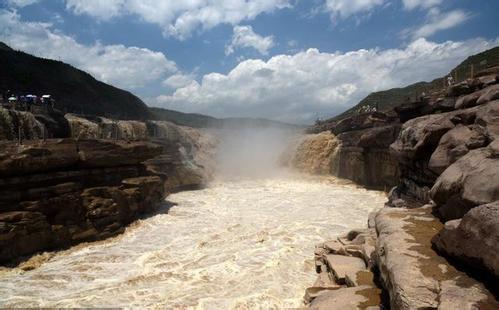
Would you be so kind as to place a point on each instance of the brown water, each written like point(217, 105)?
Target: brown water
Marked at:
point(244, 244)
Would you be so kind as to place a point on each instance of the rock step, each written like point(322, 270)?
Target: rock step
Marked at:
point(344, 266)
point(415, 276)
point(360, 297)
point(345, 280)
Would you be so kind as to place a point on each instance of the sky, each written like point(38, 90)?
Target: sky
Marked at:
point(287, 60)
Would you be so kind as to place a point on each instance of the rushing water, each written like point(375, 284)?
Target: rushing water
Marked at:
point(236, 244)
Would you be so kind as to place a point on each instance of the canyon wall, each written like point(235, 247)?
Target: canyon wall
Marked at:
point(357, 148)
point(91, 183)
point(435, 244)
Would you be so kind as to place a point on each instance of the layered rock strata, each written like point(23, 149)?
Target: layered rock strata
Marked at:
point(356, 149)
point(62, 192)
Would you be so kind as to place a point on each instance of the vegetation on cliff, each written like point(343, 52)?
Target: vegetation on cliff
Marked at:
point(388, 99)
point(74, 90)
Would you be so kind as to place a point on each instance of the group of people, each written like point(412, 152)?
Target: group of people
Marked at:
point(26, 102)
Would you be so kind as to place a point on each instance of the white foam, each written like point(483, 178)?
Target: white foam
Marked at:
point(238, 244)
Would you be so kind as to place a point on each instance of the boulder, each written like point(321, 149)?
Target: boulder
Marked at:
point(490, 79)
point(443, 104)
point(460, 89)
point(456, 143)
point(470, 181)
point(488, 94)
point(412, 110)
point(487, 116)
point(468, 101)
point(473, 239)
point(379, 137)
point(420, 135)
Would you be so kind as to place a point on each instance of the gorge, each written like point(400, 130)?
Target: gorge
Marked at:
point(393, 209)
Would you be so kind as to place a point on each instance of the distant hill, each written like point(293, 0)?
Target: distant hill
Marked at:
point(74, 90)
point(388, 99)
point(204, 121)
point(184, 119)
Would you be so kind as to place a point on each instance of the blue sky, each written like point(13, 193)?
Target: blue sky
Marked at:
point(290, 60)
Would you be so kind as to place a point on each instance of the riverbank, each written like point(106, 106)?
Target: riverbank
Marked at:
point(432, 246)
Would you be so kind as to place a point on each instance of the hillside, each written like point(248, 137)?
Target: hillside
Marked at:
point(389, 99)
point(74, 90)
point(205, 121)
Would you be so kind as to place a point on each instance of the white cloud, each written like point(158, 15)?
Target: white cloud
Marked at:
point(425, 4)
point(244, 37)
point(21, 3)
point(178, 80)
point(103, 10)
point(346, 8)
point(179, 18)
point(127, 67)
point(308, 84)
point(437, 21)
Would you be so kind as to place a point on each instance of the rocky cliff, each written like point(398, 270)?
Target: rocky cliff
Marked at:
point(61, 192)
point(435, 244)
point(90, 184)
point(357, 148)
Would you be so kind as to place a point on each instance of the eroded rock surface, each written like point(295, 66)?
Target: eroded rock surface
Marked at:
point(345, 267)
point(415, 276)
point(355, 148)
point(62, 192)
point(469, 182)
point(473, 239)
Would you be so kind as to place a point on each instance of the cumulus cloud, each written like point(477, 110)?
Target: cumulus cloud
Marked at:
point(437, 21)
point(179, 18)
point(308, 84)
point(245, 37)
point(178, 80)
point(426, 4)
point(346, 8)
point(127, 67)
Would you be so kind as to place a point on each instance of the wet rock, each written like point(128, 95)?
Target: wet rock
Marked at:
point(361, 297)
point(474, 238)
point(413, 274)
point(341, 266)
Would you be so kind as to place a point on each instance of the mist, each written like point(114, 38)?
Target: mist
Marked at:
point(251, 152)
